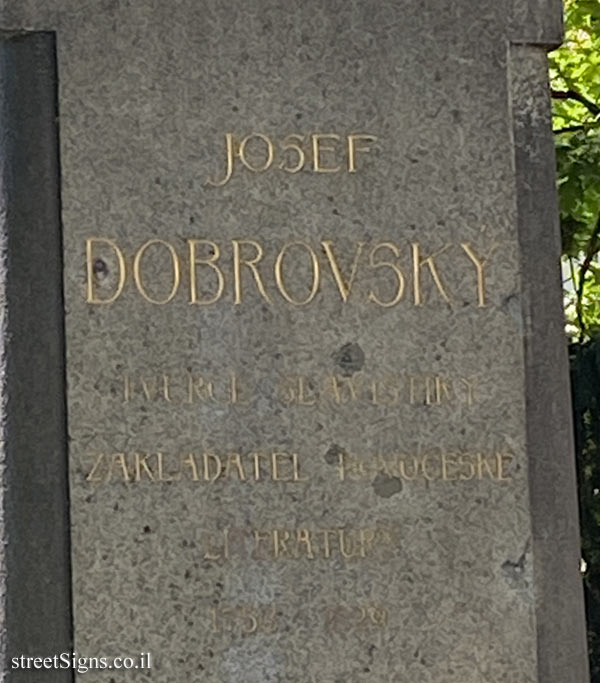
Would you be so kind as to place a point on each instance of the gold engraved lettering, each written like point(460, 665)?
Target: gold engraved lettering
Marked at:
point(261, 537)
point(366, 538)
point(394, 267)
point(318, 148)
point(118, 462)
point(448, 463)
point(126, 388)
point(296, 469)
point(479, 265)
point(304, 398)
point(504, 460)
point(304, 541)
point(258, 153)
point(238, 262)
point(289, 143)
point(230, 156)
point(469, 386)
point(165, 388)
point(91, 276)
point(212, 466)
point(343, 389)
point(141, 466)
point(201, 389)
point(217, 548)
point(344, 286)
point(425, 469)
point(235, 389)
point(215, 621)
point(275, 464)
point(417, 390)
point(348, 543)
point(209, 278)
point(149, 387)
point(341, 464)
point(315, 274)
point(353, 148)
point(137, 271)
point(431, 396)
point(298, 390)
point(250, 622)
point(419, 263)
point(190, 461)
point(91, 475)
point(414, 473)
point(269, 152)
point(210, 262)
point(362, 616)
point(160, 473)
point(484, 468)
point(441, 390)
point(435, 466)
point(234, 460)
point(280, 539)
point(257, 469)
point(311, 544)
point(243, 619)
point(195, 387)
point(325, 533)
point(468, 467)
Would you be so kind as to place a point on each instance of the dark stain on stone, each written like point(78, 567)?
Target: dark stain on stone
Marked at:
point(100, 268)
point(332, 457)
point(350, 358)
point(386, 486)
point(514, 570)
point(147, 529)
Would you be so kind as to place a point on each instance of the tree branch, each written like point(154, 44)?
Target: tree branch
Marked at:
point(578, 97)
point(592, 250)
point(570, 129)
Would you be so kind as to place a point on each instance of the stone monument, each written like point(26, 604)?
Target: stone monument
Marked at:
point(309, 420)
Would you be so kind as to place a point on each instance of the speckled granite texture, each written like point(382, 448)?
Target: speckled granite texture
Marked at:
point(339, 490)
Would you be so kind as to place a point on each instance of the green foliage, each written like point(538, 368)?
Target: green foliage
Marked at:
point(575, 84)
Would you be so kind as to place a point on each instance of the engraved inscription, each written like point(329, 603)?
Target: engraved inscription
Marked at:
point(383, 274)
point(447, 466)
point(246, 619)
point(317, 152)
point(287, 543)
point(188, 388)
point(290, 467)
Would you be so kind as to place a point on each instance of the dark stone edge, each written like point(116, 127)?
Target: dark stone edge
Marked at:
point(536, 22)
point(561, 633)
point(36, 530)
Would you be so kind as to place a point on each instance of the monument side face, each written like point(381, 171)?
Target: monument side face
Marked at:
point(294, 277)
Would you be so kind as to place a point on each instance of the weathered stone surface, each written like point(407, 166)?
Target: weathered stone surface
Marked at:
point(390, 531)
point(536, 22)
